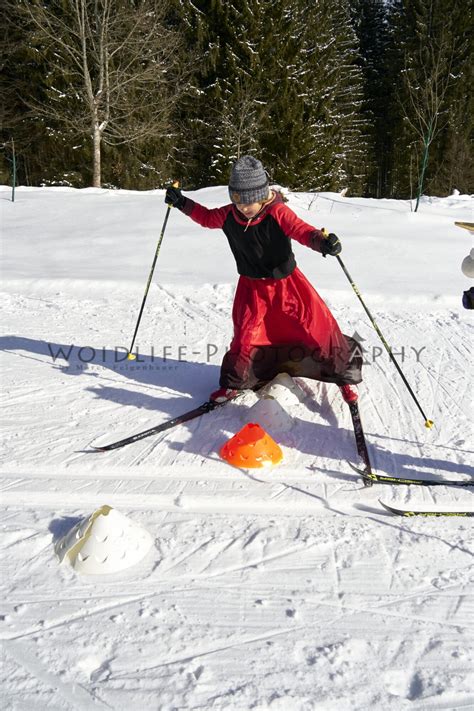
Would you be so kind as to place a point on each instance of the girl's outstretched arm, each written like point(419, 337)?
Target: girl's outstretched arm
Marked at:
point(296, 228)
point(212, 218)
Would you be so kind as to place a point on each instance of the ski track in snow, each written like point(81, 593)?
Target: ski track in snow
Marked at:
point(288, 589)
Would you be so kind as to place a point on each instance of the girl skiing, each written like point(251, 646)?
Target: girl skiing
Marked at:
point(280, 322)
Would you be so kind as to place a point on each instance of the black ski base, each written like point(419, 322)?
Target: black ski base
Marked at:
point(417, 512)
point(372, 478)
point(361, 443)
point(369, 477)
point(180, 419)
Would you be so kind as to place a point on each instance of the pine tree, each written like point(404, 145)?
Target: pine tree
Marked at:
point(42, 152)
point(372, 23)
point(347, 101)
point(434, 39)
point(281, 79)
point(452, 164)
point(321, 141)
point(221, 118)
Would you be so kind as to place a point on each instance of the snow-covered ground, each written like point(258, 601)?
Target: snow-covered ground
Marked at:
point(289, 589)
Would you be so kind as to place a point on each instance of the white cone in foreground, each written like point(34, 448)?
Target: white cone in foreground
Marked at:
point(270, 415)
point(284, 389)
point(105, 542)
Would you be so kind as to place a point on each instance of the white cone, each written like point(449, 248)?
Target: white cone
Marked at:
point(105, 542)
point(270, 415)
point(284, 389)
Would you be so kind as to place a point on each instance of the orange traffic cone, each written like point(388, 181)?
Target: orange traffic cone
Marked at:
point(251, 448)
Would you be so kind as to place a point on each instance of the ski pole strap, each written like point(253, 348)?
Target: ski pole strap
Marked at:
point(428, 423)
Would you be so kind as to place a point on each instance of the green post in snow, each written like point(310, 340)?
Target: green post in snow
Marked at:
point(426, 142)
point(14, 171)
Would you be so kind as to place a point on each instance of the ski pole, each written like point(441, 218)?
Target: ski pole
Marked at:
point(428, 423)
point(130, 355)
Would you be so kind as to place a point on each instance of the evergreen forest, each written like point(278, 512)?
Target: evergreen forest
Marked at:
point(369, 96)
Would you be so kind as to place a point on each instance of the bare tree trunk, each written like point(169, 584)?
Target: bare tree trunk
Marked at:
point(97, 136)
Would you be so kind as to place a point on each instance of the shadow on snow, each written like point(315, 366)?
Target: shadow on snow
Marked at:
point(187, 384)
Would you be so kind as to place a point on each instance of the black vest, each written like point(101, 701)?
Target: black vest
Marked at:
point(261, 251)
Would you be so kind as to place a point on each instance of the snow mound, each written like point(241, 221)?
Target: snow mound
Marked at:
point(283, 389)
point(270, 415)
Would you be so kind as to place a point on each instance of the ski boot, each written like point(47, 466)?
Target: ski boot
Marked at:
point(223, 394)
point(349, 393)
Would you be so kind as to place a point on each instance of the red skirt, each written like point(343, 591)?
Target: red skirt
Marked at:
point(283, 325)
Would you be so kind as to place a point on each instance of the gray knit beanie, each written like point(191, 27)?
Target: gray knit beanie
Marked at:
point(248, 181)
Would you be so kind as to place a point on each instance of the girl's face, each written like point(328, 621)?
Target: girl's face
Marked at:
point(249, 210)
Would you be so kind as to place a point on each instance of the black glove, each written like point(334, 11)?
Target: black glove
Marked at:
point(175, 198)
point(468, 298)
point(330, 245)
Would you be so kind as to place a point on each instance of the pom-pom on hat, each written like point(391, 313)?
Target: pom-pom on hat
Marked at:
point(248, 181)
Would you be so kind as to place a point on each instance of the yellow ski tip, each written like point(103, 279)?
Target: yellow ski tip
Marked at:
point(429, 424)
point(466, 225)
point(131, 356)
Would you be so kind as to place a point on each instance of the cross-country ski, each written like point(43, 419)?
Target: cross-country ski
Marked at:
point(433, 512)
point(206, 407)
point(371, 477)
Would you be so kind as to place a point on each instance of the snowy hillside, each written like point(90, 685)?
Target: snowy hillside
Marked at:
point(289, 589)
